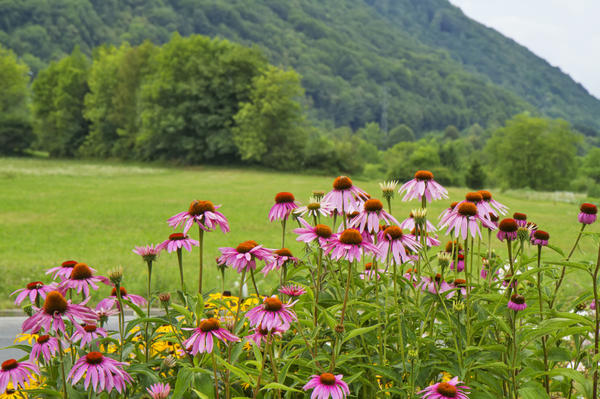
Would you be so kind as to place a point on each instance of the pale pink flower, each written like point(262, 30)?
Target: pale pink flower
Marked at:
point(423, 185)
point(204, 214)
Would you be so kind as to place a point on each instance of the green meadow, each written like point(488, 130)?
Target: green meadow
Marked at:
point(96, 212)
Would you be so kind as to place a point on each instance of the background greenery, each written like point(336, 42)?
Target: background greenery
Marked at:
point(51, 211)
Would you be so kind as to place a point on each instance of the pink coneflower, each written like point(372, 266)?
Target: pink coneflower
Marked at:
point(446, 213)
point(243, 257)
point(487, 197)
point(104, 312)
point(587, 214)
point(344, 195)
point(50, 316)
point(177, 241)
point(81, 279)
point(446, 390)
point(371, 273)
point(483, 208)
point(327, 385)
point(149, 253)
point(64, 270)
point(517, 302)
point(261, 334)
point(430, 240)
point(315, 208)
point(16, 372)
point(284, 204)
point(507, 229)
point(159, 390)
point(292, 290)
point(540, 237)
point(87, 334)
point(371, 215)
point(409, 224)
point(395, 243)
point(112, 300)
point(460, 263)
point(411, 276)
point(507, 278)
point(272, 313)
point(102, 371)
point(308, 233)
point(435, 285)
point(459, 285)
point(281, 257)
point(520, 218)
point(204, 214)
point(349, 245)
point(464, 218)
point(34, 290)
point(202, 340)
point(46, 346)
point(423, 185)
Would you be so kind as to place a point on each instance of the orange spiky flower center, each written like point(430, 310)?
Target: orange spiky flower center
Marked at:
point(519, 216)
point(69, 263)
point(199, 207)
point(486, 195)
point(94, 358)
point(394, 232)
point(9, 364)
point(508, 225)
point(81, 271)
point(90, 328)
point(177, 236)
point(327, 379)
point(351, 237)
point(368, 266)
point(373, 205)
point(424, 175)
point(122, 290)
point(588, 208)
point(467, 209)
point(211, 324)
point(272, 304)
point(541, 235)
point(446, 389)
point(284, 252)
point(342, 183)
point(55, 302)
point(35, 285)
point(42, 339)
point(313, 206)
point(246, 246)
point(459, 282)
point(284, 197)
point(323, 231)
point(474, 197)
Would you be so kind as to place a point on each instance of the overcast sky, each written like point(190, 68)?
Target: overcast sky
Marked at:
point(564, 32)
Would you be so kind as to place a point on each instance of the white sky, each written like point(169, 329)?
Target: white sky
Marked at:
point(566, 33)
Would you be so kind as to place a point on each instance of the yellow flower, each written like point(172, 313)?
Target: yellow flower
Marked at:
point(446, 376)
point(10, 393)
point(30, 338)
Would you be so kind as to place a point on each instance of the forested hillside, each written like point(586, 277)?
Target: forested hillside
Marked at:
point(413, 62)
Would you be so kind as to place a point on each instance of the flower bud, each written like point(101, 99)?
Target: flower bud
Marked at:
point(116, 276)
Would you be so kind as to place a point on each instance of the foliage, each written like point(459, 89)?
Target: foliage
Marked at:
point(475, 177)
point(424, 63)
point(15, 125)
point(58, 102)
point(190, 98)
point(269, 127)
point(533, 152)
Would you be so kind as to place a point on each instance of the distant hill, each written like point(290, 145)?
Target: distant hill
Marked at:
point(418, 62)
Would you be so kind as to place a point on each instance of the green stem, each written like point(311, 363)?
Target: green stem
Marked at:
point(214, 362)
point(597, 325)
point(564, 268)
point(318, 285)
point(544, 349)
point(148, 312)
point(254, 284)
point(274, 364)
point(62, 366)
point(201, 261)
point(283, 223)
point(180, 262)
point(346, 292)
point(262, 368)
point(121, 320)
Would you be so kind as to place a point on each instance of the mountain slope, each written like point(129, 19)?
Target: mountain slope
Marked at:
point(390, 61)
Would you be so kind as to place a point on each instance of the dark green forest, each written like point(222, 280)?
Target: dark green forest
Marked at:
point(374, 87)
point(416, 62)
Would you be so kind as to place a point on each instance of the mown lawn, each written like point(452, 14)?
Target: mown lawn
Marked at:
point(93, 212)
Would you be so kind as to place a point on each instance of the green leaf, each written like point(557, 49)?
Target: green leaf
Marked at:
point(358, 331)
point(184, 379)
point(276, 385)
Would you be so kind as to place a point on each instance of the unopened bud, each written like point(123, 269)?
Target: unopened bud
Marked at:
point(169, 362)
point(340, 329)
point(419, 216)
point(165, 298)
point(318, 195)
point(444, 259)
point(116, 276)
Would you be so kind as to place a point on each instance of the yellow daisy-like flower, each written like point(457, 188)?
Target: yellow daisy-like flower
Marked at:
point(446, 376)
point(11, 393)
point(30, 338)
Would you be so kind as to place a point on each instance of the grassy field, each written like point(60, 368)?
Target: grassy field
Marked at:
point(51, 211)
